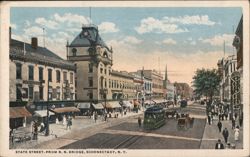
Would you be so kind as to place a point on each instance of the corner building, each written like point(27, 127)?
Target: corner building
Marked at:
point(93, 60)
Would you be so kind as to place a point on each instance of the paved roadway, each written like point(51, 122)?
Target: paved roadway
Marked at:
point(127, 134)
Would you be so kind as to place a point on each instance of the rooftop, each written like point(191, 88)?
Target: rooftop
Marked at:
point(87, 37)
point(39, 54)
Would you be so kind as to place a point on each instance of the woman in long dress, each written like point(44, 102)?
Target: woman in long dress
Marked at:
point(64, 120)
point(236, 133)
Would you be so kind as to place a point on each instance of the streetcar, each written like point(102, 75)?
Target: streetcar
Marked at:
point(154, 117)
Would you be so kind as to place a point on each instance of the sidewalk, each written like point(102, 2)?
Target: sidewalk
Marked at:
point(59, 130)
point(212, 134)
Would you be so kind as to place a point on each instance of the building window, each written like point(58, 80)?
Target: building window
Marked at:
point(50, 75)
point(50, 93)
point(41, 93)
point(101, 70)
point(105, 71)
point(58, 93)
point(31, 72)
point(65, 77)
point(31, 92)
point(74, 50)
point(18, 71)
point(90, 96)
point(90, 68)
point(58, 76)
point(105, 83)
point(40, 73)
point(90, 81)
point(71, 78)
point(19, 92)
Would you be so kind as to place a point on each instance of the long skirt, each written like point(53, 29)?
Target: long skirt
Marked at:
point(236, 135)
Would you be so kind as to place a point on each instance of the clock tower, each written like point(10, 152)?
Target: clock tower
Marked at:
point(93, 60)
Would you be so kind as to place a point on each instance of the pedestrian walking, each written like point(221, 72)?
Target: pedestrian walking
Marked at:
point(225, 134)
point(64, 120)
point(220, 117)
point(241, 119)
point(139, 121)
point(233, 123)
point(236, 133)
point(226, 115)
point(209, 119)
point(68, 124)
point(235, 115)
point(105, 116)
point(219, 145)
point(95, 116)
point(219, 124)
point(35, 130)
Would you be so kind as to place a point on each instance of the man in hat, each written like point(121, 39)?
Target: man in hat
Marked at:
point(219, 145)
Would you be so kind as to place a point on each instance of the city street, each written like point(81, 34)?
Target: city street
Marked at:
point(128, 135)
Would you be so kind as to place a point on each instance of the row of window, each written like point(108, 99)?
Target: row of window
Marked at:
point(102, 70)
point(24, 93)
point(40, 73)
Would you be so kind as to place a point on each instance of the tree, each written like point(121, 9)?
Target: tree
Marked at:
point(206, 82)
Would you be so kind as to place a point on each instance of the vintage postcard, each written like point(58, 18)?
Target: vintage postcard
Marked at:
point(125, 78)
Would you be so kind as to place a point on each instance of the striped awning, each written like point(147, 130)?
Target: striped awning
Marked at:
point(98, 106)
point(114, 104)
point(66, 109)
point(19, 112)
point(43, 113)
point(83, 105)
point(136, 103)
point(127, 104)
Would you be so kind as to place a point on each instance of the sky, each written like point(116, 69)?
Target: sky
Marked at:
point(183, 39)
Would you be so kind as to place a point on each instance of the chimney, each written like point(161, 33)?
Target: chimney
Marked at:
point(34, 42)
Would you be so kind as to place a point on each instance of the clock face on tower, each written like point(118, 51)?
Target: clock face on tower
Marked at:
point(85, 33)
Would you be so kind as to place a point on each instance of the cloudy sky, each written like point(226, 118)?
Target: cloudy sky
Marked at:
point(184, 39)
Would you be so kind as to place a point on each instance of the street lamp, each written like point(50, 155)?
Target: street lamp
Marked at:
point(105, 92)
point(47, 127)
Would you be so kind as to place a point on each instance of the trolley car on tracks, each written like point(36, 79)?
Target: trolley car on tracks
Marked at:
point(154, 117)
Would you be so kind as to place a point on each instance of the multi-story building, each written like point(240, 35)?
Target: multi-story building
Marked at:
point(139, 85)
point(238, 76)
point(147, 87)
point(121, 86)
point(157, 82)
point(93, 60)
point(170, 91)
point(229, 67)
point(38, 77)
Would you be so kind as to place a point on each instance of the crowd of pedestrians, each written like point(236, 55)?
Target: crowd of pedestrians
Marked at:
point(221, 113)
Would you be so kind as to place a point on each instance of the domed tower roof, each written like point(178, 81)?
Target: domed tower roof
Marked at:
point(89, 36)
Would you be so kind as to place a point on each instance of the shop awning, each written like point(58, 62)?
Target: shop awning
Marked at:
point(127, 104)
point(159, 101)
point(66, 109)
point(113, 105)
point(18, 112)
point(136, 103)
point(43, 113)
point(83, 105)
point(98, 106)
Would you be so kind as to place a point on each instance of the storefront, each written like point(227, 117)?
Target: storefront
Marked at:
point(18, 117)
point(85, 109)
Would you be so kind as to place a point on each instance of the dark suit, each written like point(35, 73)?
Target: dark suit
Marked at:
point(219, 126)
point(217, 146)
point(225, 134)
